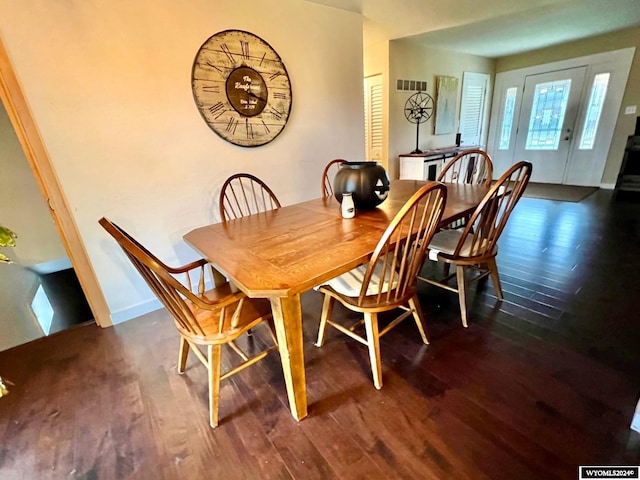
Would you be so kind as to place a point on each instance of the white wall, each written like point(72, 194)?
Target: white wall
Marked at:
point(18, 323)
point(108, 82)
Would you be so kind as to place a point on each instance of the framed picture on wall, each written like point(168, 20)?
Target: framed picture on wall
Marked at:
point(446, 96)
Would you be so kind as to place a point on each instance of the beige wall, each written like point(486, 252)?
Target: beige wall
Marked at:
point(408, 60)
point(109, 86)
point(625, 124)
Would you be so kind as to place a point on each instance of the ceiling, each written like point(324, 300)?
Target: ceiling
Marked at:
point(490, 28)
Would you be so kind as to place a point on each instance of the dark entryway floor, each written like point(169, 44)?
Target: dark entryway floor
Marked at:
point(67, 299)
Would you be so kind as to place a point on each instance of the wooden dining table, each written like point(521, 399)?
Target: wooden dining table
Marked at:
point(280, 254)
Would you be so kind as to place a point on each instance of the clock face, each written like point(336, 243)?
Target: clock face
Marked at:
point(241, 88)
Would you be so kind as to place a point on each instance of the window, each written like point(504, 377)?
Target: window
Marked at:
point(547, 115)
point(507, 118)
point(592, 118)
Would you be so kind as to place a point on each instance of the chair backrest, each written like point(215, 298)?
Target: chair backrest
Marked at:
point(329, 174)
point(400, 252)
point(178, 298)
point(480, 236)
point(472, 167)
point(243, 194)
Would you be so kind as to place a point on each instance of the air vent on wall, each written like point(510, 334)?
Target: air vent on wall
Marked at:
point(410, 86)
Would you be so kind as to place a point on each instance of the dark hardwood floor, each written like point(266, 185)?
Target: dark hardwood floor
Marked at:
point(538, 384)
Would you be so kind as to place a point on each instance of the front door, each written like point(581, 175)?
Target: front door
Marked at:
point(550, 105)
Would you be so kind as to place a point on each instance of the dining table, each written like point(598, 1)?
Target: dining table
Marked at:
point(282, 253)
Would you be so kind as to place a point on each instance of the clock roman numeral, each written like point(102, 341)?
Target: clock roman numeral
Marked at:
point(216, 108)
point(262, 59)
point(211, 88)
point(280, 95)
point(266, 129)
point(227, 52)
point(276, 113)
point(232, 125)
point(275, 75)
point(209, 64)
point(245, 49)
point(249, 128)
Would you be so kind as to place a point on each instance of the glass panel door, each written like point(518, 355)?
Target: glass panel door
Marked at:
point(550, 107)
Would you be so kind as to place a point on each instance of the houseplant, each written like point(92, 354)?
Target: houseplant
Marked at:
point(7, 239)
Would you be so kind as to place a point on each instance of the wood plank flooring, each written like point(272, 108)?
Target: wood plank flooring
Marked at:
point(538, 384)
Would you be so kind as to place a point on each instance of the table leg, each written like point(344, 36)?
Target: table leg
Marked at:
point(287, 316)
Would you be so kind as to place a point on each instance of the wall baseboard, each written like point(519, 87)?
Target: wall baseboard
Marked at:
point(136, 311)
point(143, 308)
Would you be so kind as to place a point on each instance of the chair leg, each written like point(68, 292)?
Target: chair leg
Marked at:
point(445, 269)
point(183, 353)
point(327, 309)
point(272, 330)
point(462, 290)
point(495, 278)
point(373, 341)
point(214, 356)
point(414, 304)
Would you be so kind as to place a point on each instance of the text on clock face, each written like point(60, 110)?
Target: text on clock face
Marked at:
point(251, 103)
point(247, 85)
point(247, 91)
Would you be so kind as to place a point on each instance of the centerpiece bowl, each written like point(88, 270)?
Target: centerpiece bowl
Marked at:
point(366, 181)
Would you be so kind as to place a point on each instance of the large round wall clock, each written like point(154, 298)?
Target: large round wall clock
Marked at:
point(241, 88)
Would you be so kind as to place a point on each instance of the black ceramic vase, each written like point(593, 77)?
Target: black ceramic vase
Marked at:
point(366, 181)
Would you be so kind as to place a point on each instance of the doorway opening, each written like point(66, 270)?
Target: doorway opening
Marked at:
point(39, 291)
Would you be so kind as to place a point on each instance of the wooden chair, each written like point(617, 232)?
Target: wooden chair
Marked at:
point(476, 247)
point(328, 175)
point(243, 194)
point(473, 167)
point(389, 280)
point(208, 318)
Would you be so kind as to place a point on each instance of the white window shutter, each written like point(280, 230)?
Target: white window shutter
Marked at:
point(373, 104)
point(472, 112)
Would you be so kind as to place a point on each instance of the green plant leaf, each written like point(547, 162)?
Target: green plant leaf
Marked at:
point(7, 237)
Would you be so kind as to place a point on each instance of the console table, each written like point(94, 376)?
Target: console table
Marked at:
point(428, 164)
